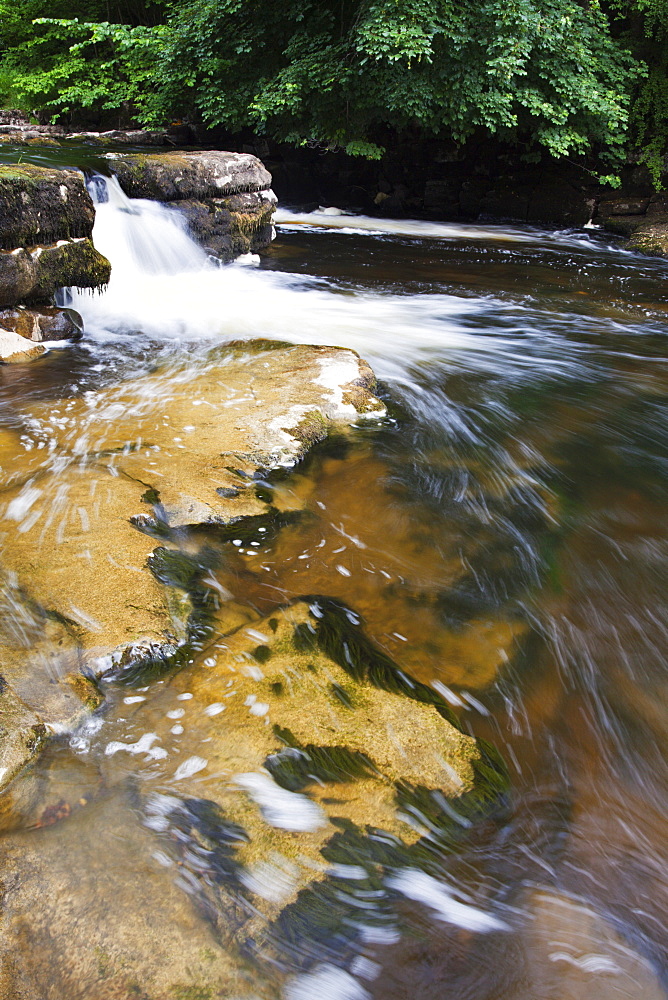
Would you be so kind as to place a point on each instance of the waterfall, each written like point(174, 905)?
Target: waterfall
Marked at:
point(141, 237)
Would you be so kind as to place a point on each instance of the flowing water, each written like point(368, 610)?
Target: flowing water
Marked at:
point(500, 533)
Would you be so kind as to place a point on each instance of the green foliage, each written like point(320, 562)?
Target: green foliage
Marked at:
point(338, 74)
point(545, 71)
point(71, 65)
point(645, 32)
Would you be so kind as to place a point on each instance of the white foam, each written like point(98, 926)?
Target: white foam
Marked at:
point(143, 745)
point(326, 983)
point(282, 809)
point(417, 885)
point(189, 767)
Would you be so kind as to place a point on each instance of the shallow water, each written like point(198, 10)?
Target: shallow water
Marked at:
point(501, 536)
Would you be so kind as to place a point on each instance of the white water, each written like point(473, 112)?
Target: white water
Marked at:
point(163, 286)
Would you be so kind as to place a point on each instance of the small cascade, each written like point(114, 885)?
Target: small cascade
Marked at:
point(141, 237)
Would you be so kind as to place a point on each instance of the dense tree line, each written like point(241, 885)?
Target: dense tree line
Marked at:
point(573, 77)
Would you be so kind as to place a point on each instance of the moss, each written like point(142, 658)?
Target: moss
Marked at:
point(319, 920)
point(37, 738)
point(262, 653)
point(192, 992)
point(142, 663)
point(201, 823)
point(40, 204)
point(86, 690)
point(248, 223)
point(342, 695)
point(652, 243)
point(151, 496)
point(296, 767)
point(336, 631)
point(76, 263)
point(311, 429)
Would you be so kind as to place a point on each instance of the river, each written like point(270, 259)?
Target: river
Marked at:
point(501, 533)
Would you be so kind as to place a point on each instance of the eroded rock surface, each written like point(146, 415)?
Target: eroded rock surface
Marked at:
point(106, 473)
point(284, 777)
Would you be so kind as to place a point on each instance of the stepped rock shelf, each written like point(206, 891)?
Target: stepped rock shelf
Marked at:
point(47, 217)
point(119, 457)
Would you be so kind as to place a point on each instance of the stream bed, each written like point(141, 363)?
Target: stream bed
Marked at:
point(500, 534)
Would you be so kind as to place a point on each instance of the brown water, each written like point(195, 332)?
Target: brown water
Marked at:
point(501, 534)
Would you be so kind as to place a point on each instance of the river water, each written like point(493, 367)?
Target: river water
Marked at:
point(501, 533)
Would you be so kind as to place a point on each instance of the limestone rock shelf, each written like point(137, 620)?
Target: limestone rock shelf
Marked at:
point(177, 449)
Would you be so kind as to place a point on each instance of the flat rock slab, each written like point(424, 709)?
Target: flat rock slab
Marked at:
point(68, 538)
point(174, 176)
point(249, 797)
point(198, 437)
point(179, 446)
point(15, 348)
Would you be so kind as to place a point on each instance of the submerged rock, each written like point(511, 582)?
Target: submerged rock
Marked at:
point(42, 689)
point(201, 438)
point(264, 837)
point(98, 468)
point(337, 770)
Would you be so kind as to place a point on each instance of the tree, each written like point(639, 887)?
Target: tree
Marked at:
point(544, 73)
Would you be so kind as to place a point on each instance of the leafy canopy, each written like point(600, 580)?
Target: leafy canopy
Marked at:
point(545, 73)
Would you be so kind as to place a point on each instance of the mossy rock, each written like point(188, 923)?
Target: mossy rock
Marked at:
point(651, 240)
point(340, 769)
point(74, 263)
point(234, 225)
point(177, 176)
point(40, 204)
point(34, 276)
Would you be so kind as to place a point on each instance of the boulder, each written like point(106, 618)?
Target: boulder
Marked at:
point(237, 224)
point(35, 275)
point(177, 176)
point(40, 204)
point(47, 323)
point(75, 262)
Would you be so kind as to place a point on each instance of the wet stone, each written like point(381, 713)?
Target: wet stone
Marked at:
point(176, 176)
point(199, 438)
point(47, 323)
